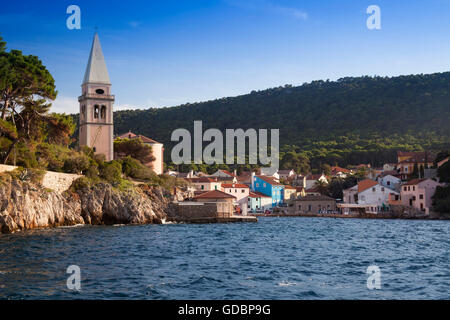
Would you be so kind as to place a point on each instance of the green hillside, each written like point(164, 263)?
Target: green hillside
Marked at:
point(349, 121)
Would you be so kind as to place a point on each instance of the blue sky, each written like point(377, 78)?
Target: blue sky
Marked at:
point(166, 53)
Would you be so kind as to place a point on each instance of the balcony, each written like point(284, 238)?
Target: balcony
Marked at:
point(97, 96)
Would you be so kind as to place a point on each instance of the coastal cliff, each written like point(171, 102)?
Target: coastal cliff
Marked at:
point(24, 205)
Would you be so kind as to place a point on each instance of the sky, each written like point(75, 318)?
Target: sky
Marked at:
point(171, 52)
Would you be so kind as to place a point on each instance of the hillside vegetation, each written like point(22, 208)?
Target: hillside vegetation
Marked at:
point(349, 121)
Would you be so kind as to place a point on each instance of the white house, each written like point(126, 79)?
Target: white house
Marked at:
point(286, 174)
point(375, 195)
point(389, 181)
point(269, 173)
point(312, 179)
point(240, 191)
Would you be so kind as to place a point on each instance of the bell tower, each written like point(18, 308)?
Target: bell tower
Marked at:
point(96, 127)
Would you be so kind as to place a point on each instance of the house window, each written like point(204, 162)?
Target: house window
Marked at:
point(309, 207)
point(202, 187)
point(373, 189)
point(388, 183)
point(257, 184)
point(404, 188)
point(421, 196)
point(414, 188)
point(363, 198)
point(243, 191)
point(264, 185)
point(409, 188)
point(382, 189)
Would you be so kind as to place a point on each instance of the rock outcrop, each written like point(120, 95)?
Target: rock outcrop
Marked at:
point(26, 206)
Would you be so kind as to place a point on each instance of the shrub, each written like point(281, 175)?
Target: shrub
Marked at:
point(80, 183)
point(135, 169)
point(111, 172)
point(76, 164)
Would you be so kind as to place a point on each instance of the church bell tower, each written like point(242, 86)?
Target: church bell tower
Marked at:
point(96, 127)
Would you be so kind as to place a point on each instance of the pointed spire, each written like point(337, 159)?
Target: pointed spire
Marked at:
point(96, 71)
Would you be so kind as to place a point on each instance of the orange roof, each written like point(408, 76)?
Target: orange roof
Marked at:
point(339, 169)
point(214, 194)
point(413, 182)
point(227, 172)
point(366, 184)
point(289, 187)
point(234, 185)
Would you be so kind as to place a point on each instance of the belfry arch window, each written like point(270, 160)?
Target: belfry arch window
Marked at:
point(96, 111)
point(83, 111)
point(103, 112)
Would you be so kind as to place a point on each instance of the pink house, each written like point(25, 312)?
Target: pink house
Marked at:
point(417, 193)
point(240, 191)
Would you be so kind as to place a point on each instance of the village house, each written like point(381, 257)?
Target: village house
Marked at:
point(339, 172)
point(408, 160)
point(204, 183)
point(258, 201)
point(300, 192)
point(156, 165)
point(240, 191)
point(418, 193)
point(290, 192)
point(286, 174)
point(268, 173)
point(351, 195)
point(224, 173)
point(373, 194)
point(315, 204)
point(299, 181)
point(245, 178)
point(270, 187)
point(389, 167)
point(389, 181)
point(313, 179)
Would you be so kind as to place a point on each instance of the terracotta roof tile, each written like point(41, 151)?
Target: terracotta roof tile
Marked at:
point(366, 184)
point(214, 194)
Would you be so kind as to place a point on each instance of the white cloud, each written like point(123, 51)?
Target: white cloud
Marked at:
point(65, 105)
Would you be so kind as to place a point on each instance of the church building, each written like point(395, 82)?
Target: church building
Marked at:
point(96, 105)
point(96, 112)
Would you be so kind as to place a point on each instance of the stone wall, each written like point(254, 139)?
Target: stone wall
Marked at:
point(56, 181)
point(205, 210)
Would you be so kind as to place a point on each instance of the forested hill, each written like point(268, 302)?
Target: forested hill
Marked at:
point(351, 120)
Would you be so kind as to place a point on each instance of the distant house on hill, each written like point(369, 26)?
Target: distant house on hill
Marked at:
point(286, 174)
point(224, 173)
point(408, 160)
point(340, 172)
point(313, 179)
point(157, 149)
point(204, 183)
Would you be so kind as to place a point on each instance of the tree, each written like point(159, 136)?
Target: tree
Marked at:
point(26, 86)
point(443, 172)
point(134, 148)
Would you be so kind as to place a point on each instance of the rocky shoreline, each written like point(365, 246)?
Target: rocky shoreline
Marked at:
point(25, 206)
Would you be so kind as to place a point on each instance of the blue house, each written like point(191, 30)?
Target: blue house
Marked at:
point(270, 187)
